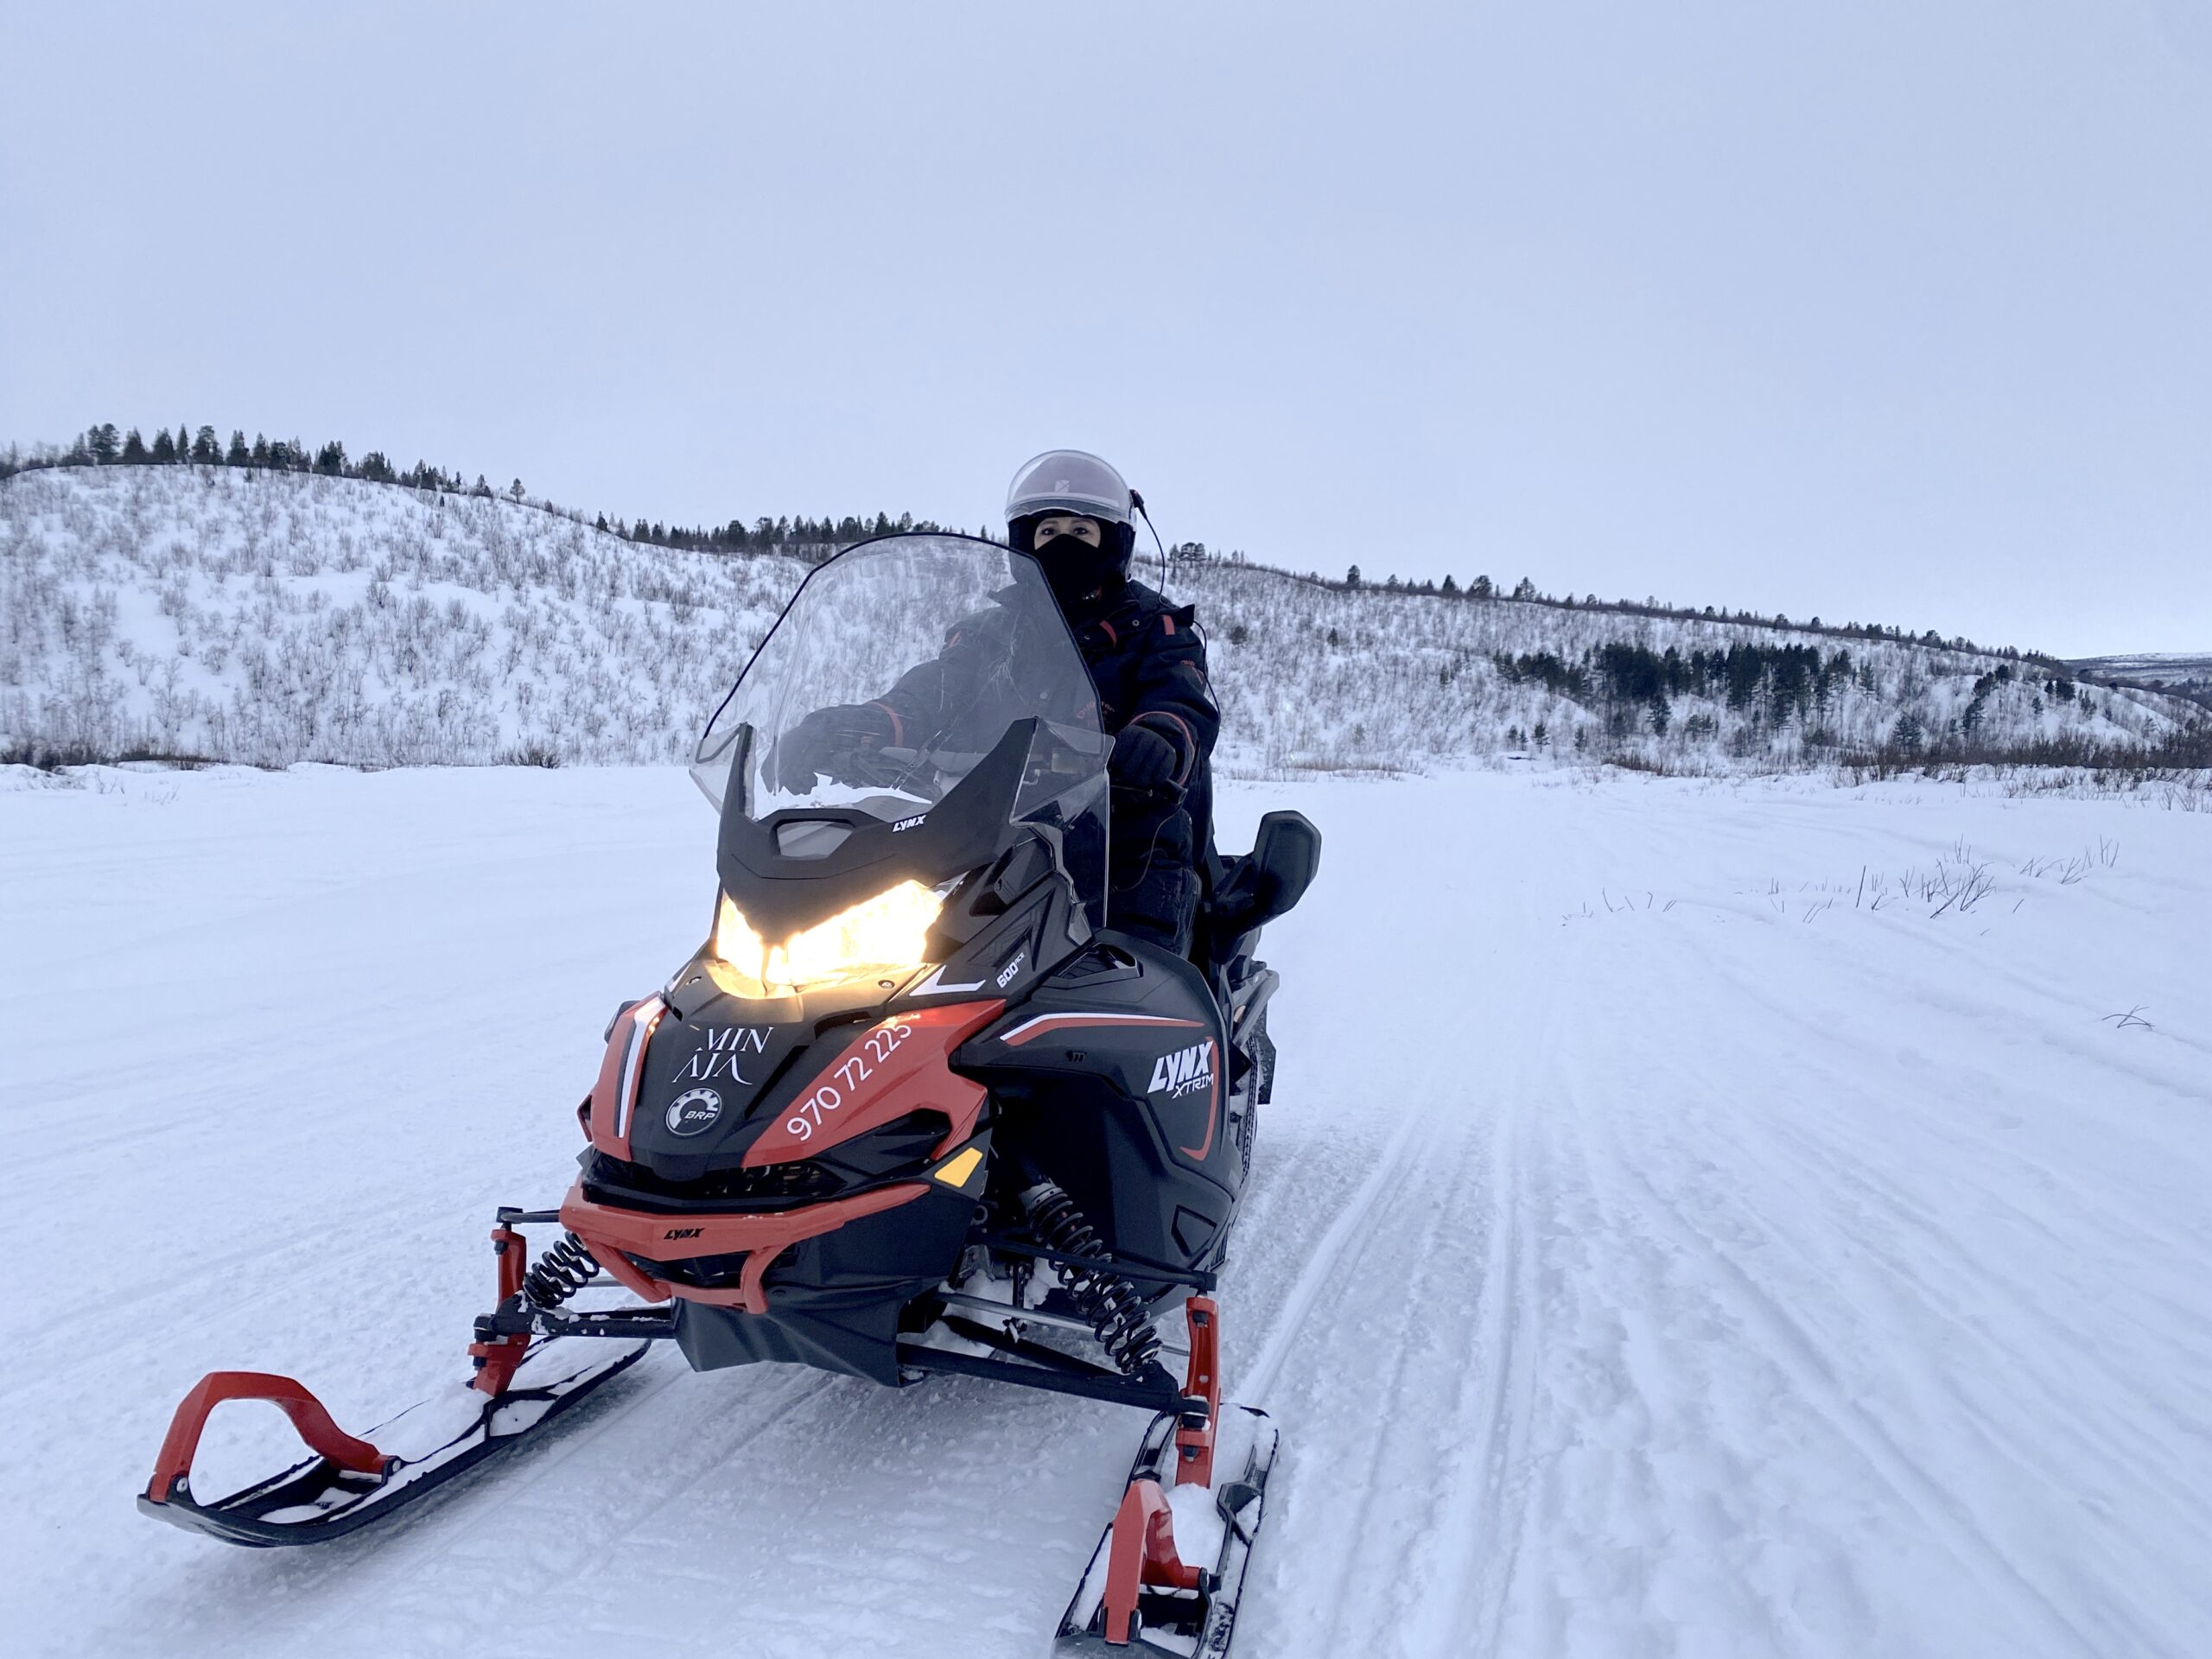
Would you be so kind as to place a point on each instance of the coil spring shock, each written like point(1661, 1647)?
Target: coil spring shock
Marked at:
point(559, 1273)
point(1116, 1312)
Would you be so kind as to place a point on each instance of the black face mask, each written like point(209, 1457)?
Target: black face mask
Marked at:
point(1086, 579)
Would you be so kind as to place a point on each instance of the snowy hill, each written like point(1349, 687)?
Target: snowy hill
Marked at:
point(276, 618)
point(271, 618)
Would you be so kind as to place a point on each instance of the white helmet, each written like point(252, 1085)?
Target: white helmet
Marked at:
point(1068, 480)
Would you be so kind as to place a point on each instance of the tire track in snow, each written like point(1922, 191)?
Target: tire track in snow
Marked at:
point(1420, 1341)
point(1420, 1495)
point(1475, 1543)
point(1793, 1348)
point(1323, 1262)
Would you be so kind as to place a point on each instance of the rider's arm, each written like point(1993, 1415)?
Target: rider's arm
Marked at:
point(1174, 697)
point(929, 694)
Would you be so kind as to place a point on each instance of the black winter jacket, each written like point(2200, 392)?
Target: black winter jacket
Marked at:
point(1147, 662)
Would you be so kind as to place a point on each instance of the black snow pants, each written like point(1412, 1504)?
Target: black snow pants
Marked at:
point(1153, 861)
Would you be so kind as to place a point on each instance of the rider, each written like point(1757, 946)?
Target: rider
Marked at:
point(1147, 664)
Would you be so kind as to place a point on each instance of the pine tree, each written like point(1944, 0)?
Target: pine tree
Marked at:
point(1482, 588)
point(1351, 578)
point(260, 451)
point(105, 444)
point(238, 455)
point(134, 448)
point(1451, 588)
point(164, 450)
point(205, 449)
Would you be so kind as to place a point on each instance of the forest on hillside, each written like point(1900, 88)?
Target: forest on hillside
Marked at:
point(200, 610)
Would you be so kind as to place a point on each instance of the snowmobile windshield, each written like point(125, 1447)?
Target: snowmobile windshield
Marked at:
point(899, 669)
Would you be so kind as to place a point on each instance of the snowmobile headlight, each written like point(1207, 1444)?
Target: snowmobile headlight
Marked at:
point(881, 935)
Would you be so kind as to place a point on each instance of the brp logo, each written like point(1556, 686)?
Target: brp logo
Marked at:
point(694, 1111)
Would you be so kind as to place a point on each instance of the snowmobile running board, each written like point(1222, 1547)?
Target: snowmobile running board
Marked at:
point(351, 1482)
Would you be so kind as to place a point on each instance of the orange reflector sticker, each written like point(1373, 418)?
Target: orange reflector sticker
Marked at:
point(956, 1170)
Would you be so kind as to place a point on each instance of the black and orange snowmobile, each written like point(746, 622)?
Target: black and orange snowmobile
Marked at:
point(914, 1109)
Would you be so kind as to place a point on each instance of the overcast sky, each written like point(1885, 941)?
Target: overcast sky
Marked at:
point(1888, 309)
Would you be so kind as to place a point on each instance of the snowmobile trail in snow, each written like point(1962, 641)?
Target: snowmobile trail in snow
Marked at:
point(1735, 1269)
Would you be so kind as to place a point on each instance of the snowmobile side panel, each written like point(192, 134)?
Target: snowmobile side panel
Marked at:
point(1113, 1078)
point(892, 1067)
point(423, 1448)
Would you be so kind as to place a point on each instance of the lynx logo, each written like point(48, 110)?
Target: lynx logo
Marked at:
point(909, 823)
point(1185, 1069)
point(681, 1232)
point(694, 1111)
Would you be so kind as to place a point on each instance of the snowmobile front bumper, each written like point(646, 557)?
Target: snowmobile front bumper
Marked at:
point(824, 1284)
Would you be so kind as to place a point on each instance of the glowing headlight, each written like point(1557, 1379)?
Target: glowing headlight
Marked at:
point(882, 936)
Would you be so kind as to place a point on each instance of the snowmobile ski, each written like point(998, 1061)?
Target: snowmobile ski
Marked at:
point(1170, 1607)
point(1194, 1495)
point(350, 1482)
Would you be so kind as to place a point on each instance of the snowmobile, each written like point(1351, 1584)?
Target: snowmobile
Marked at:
point(914, 1109)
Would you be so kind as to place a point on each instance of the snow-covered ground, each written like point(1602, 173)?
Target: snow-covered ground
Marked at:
point(1696, 1219)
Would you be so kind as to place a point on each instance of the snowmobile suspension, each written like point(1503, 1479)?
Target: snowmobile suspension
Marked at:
point(1116, 1312)
point(559, 1272)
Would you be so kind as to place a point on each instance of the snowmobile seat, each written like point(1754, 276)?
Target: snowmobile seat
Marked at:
point(1256, 889)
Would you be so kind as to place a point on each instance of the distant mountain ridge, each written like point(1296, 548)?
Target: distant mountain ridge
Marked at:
point(272, 617)
point(2180, 673)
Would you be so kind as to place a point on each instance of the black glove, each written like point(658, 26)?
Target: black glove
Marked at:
point(830, 742)
point(1142, 759)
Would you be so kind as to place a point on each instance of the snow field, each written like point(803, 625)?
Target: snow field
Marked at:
point(1656, 1246)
